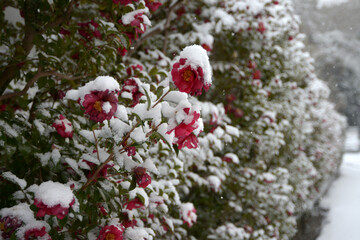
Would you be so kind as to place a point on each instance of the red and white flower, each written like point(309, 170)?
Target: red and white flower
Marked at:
point(63, 127)
point(37, 233)
point(143, 179)
point(189, 124)
point(100, 105)
point(188, 213)
point(130, 86)
point(53, 198)
point(192, 73)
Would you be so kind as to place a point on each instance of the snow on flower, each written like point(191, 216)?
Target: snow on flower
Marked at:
point(189, 124)
point(34, 230)
point(63, 127)
point(53, 198)
point(188, 213)
point(111, 232)
point(133, 204)
point(98, 97)
point(192, 72)
point(143, 179)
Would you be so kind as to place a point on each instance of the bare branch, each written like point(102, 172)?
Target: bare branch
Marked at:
point(38, 75)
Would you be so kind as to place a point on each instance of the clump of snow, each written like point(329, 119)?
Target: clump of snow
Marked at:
point(188, 213)
point(137, 233)
point(20, 234)
point(54, 193)
point(21, 211)
point(234, 158)
point(11, 177)
point(129, 17)
point(214, 182)
point(101, 83)
point(197, 57)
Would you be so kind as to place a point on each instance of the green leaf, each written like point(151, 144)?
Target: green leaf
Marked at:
point(147, 99)
point(133, 183)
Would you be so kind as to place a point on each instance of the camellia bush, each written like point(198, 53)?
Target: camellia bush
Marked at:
point(169, 119)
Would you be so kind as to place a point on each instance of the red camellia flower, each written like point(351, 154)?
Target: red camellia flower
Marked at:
point(142, 178)
point(63, 127)
point(8, 225)
point(100, 105)
point(184, 131)
point(261, 27)
point(111, 232)
point(152, 5)
point(187, 79)
point(37, 232)
point(134, 68)
point(189, 141)
point(103, 172)
point(59, 211)
point(135, 203)
point(256, 74)
point(131, 86)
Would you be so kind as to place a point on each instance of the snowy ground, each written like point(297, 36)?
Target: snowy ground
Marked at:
point(343, 198)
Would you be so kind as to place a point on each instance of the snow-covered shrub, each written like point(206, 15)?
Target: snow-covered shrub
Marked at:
point(139, 119)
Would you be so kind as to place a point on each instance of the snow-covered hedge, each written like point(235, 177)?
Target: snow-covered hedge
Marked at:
point(171, 119)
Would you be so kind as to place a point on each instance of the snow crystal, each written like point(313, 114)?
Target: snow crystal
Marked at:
point(101, 83)
point(121, 113)
point(54, 193)
point(11, 177)
point(197, 57)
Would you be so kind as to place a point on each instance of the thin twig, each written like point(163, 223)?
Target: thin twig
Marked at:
point(111, 156)
point(96, 145)
point(160, 99)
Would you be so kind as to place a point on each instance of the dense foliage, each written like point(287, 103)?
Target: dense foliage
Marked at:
point(170, 119)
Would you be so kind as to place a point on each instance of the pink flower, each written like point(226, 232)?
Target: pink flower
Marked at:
point(122, 51)
point(63, 127)
point(131, 86)
point(100, 105)
point(59, 211)
point(152, 5)
point(142, 178)
point(111, 232)
point(187, 79)
point(133, 204)
point(37, 232)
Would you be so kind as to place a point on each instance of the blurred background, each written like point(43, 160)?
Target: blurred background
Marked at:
point(333, 38)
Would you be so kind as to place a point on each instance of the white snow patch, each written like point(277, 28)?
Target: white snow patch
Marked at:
point(54, 193)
